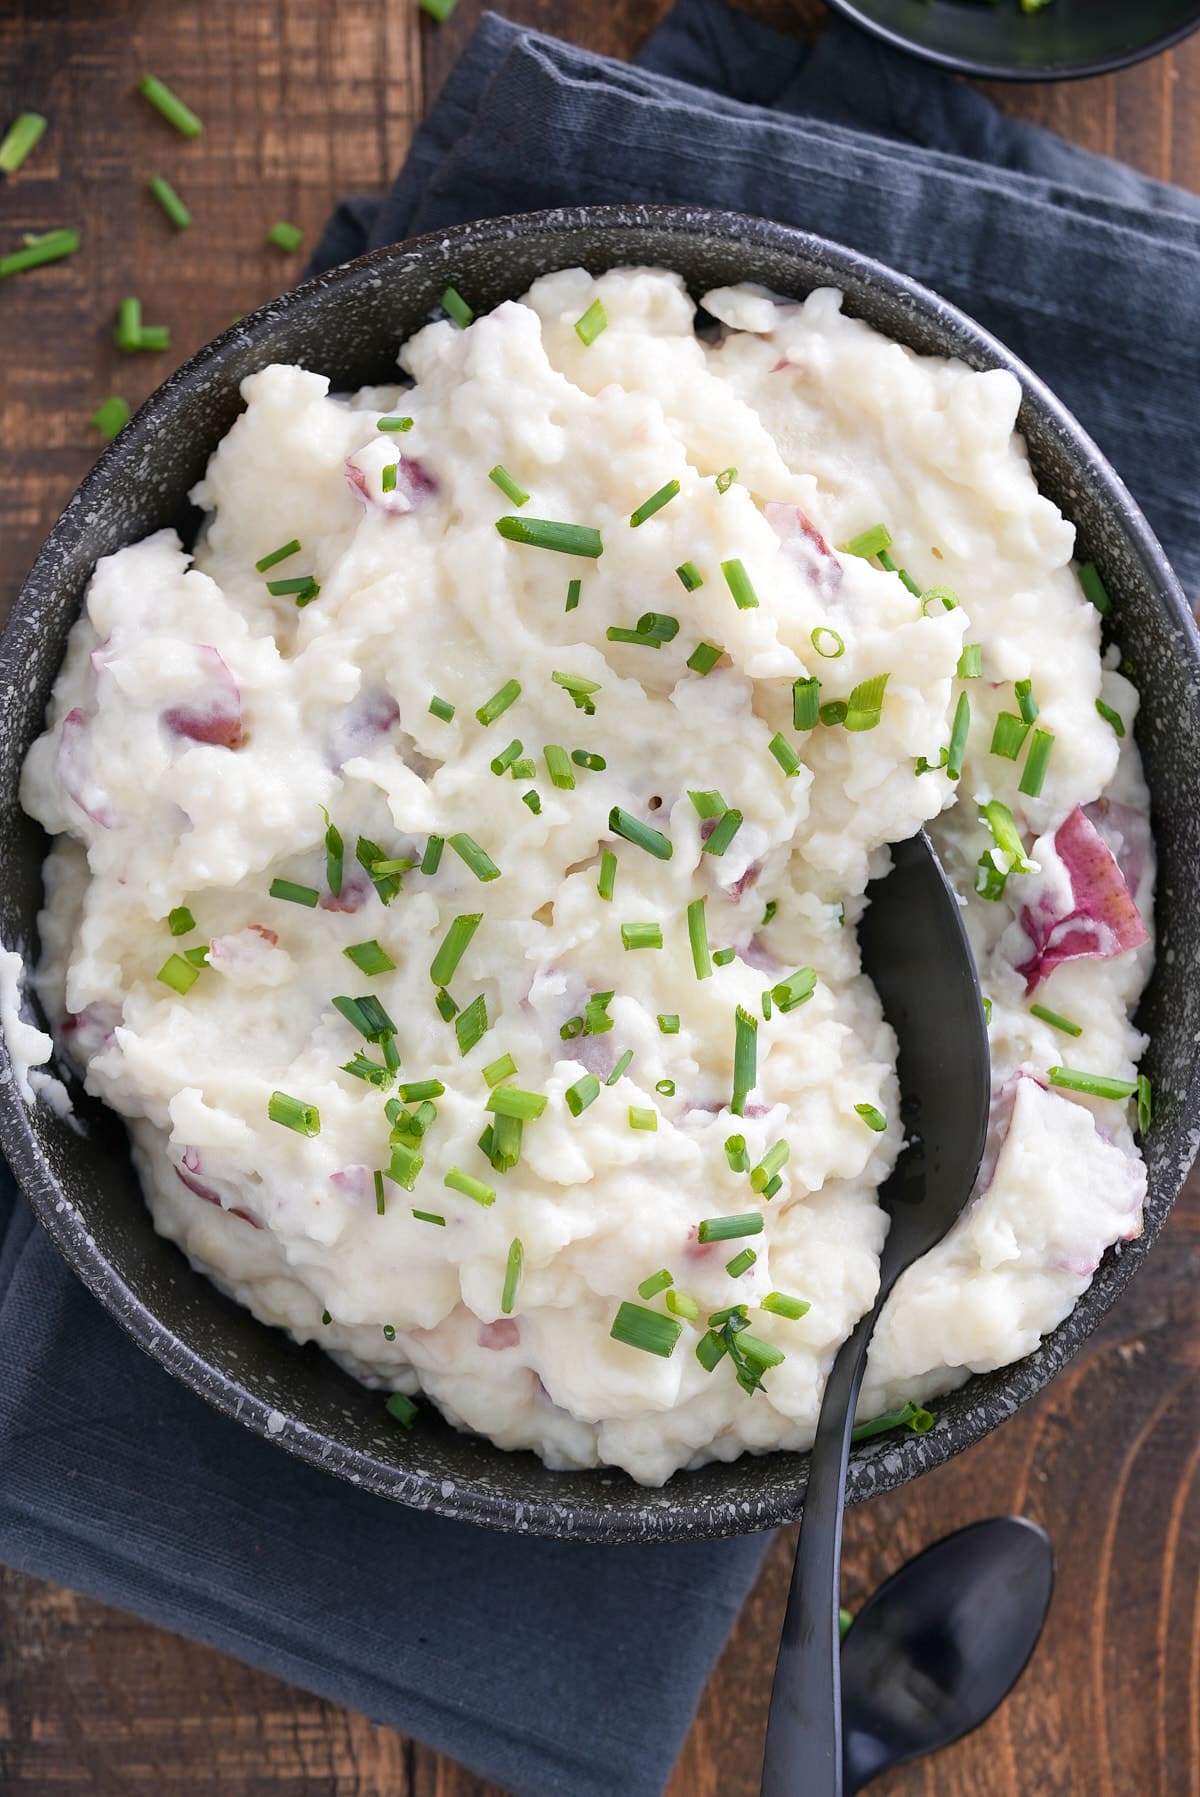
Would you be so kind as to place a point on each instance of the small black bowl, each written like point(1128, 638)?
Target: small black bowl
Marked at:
point(347, 324)
point(994, 38)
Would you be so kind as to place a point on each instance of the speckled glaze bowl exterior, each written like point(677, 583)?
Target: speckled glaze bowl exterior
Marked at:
point(347, 324)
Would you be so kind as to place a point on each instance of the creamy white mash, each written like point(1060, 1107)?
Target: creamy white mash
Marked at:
point(204, 731)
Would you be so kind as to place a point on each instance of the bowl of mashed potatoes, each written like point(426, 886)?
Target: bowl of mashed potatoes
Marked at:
point(447, 743)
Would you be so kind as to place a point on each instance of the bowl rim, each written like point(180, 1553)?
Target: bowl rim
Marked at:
point(983, 70)
point(876, 1466)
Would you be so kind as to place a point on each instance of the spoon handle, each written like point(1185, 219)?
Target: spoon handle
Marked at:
point(804, 1729)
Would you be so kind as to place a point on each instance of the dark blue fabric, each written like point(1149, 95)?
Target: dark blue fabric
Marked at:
point(545, 1666)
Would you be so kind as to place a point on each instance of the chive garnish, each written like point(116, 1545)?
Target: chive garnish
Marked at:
point(737, 1154)
point(958, 738)
point(773, 1187)
point(590, 324)
point(710, 1350)
point(1026, 701)
point(641, 639)
point(534, 801)
point(657, 1282)
point(510, 488)
point(1036, 763)
point(641, 935)
point(558, 766)
point(741, 1263)
point(511, 1101)
point(723, 956)
point(824, 635)
point(864, 707)
point(834, 711)
point(198, 957)
point(456, 307)
point(1056, 1021)
point(620, 1068)
point(293, 1113)
point(579, 687)
point(52, 246)
point(387, 477)
point(594, 763)
point(170, 106)
point(768, 915)
point(402, 1409)
point(441, 708)
point(180, 921)
point(334, 857)
point(431, 860)
point(404, 1166)
point(655, 503)
point(785, 755)
point(369, 957)
point(775, 1158)
point(621, 823)
point(585, 1091)
point(513, 1269)
point(477, 859)
point(697, 923)
point(745, 1059)
point(278, 555)
point(523, 768)
point(727, 1229)
point(608, 874)
point(690, 576)
point(545, 533)
point(1145, 1105)
point(943, 596)
point(499, 702)
point(739, 584)
point(681, 1304)
point(658, 624)
point(970, 662)
point(420, 1089)
point(704, 658)
point(793, 991)
point(640, 1117)
point(725, 480)
point(708, 803)
point(469, 1186)
point(648, 1330)
point(868, 543)
point(470, 1025)
point(22, 136)
point(1094, 588)
point(806, 703)
point(110, 417)
point(910, 1416)
point(367, 1016)
point(665, 1088)
point(430, 1216)
point(727, 828)
point(781, 1305)
point(180, 974)
point(595, 1014)
point(170, 202)
point(380, 1198)
point(1096, 1085)
point(362, 1067)
point(505, 1148)
point(454, 945)
point(295, 894)
point(668, 1023)
point(574, 588)
point(871, 1116)
point(1111, 717)
point(393, 424)
point(296, 584)
point(1008, 738)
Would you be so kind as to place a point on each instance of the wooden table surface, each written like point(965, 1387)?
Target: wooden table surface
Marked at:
point(304, 101)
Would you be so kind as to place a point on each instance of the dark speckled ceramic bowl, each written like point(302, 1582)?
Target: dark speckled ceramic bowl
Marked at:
point(347, 324)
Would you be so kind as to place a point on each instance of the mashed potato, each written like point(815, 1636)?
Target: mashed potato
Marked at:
point(466, 927)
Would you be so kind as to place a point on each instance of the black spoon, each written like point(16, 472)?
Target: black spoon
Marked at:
point(942, 1643)
point(915, 949)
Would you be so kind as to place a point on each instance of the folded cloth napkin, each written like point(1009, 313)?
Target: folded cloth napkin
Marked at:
point(541, 1665)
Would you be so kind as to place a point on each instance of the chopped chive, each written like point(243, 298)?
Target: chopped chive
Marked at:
point(393, 424)
point(1008, 738)
point(419, 1089)
point(585, 1091)
point(580, 689)
point(871, 1116)
point(1055, 1021)
point(595, 764)
point(181, 975)
point(1036, 763)
point(385, 875)
point(823, 634)
point(767, 1007)
point(708, 803)
point(690, 576)
point(704, 658)
point(736, 1315)
point(110, 417)
point(430, 1216)
point(454, 945)
point(180, 921)
point(523, 768)
point(590, 323)
point(770, 1190)
point(641, 639)
point(595, 1014)
point(958, 738)
point(513, 1269)
point(22, 136)
point(806, 703)
point(499, 702)
point(620, 1068)
point(197, 956)
point(387, 477)
point(642, 1118)
point(641, 935)
point(431, 860)
point(558, 766)
point(665, 1087)
point(657, 1282)
point(402, 1409)
point(293, 1113)
point(1145, 1105)
point(710, 1350)
point(681, 1304)
point(295, 894)
point(739, 584)
point(989, 881)
point(793, 991)
point(574, 588)
point(545, 533)
point(285, 236)
point(1026, 701)
point(725, 480)
point(510, 488)
point(970, 662)
point(648, 1330)
point(506, 1143)
point(52, 246)
point(835, 711)
point(987, 1010)
point(668, 1023)
point(511, 1101)
point(727, 1229)
point(621, 823)
point(477, 859)
point(781, 1305)
point(441, 708)
point(533, 799)
point(1094, 588)
point(737, 1154)
point(456, 308)
point(153, 337)
point(1111, 717)
point(868, 543)
point(502, 1068)
point(723, 956)
point(608, 874)
point(296, 583)
point(170, 106)
point(768, 1167)
point(334, 857)
point(864, 707)
point(469, 1186)
point(380, 1198)
point(404, 1166)
point(785, 755)
point(658, 624)
point(727, 828)
point(745, 1060)
point(758, 1353)
point(910, 1416)
point(943, 596)
point(697, 922)
point(362, 1067)
point(278, 555)
point(470, 1025)
point(1003, 826)
point(949, 600)
point(367, 1016)
point(655, 503)
point(1096, 1085)
point(170, 202)
point(325, 1317)
point(741, 1263)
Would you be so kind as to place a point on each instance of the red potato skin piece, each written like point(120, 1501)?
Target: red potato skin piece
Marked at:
point(217, 719)
point(1104, 920)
